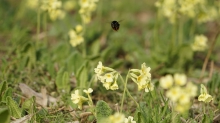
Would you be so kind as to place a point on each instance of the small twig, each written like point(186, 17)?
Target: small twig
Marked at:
point(208, 55)
point(85, 114)
point(57, 110)
point(211, 69)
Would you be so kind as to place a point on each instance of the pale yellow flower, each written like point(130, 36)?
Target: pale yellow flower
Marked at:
point(53, 7)
point(130, 119)
point(88, 91)
point(107, 85)
point(142, 78)
point(174, 93)
point(114, 86)
point(32, 4)
point(99, 69)
point(182, 108)
point(166, 81)
point(208, 14)
point(191, 89)
point(75, 39)
point(109, 77)
point(204, 96)
point(86, 9)
point(69, 5)
point(116, 118)
point(79, 28)
point(180, 79)
point(56, 14)
point(184, 98)
point(149, 87)
point(78, 99)
point(200, 43)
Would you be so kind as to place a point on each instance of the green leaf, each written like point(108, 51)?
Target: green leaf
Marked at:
point(65, 82)
point(62, 81)
point(7, 93)
point(29, 105)
point(77, 62)
point(4, 115)
point(13, 107)
point(82, 76)
point(3, 88)
point(207, 118)
point(102, 110)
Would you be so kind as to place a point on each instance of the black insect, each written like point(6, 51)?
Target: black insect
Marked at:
point(115, 25)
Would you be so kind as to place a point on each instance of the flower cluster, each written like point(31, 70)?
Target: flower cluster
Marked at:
point(142, 78)
point(179, 91)
point(86, 9)
point(130, 119)
point(200, 43)
point(198, 9)
point(107, 76)
point(168, 9)
point(53, 7)
point(76, 37)
point(119, 118)
point(204, 96)
point(79, 100)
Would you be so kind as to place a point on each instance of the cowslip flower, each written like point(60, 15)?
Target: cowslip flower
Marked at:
point(142, 77)
point(130, 119)
point(116, 118)
point(88, 91)
point(114, 86)
point(204, 96)
point(180, 79)
point(78, 99)
point(191, 89)
point(166, 81)
point(89, 97)
point(200, 43)
point(174, 93)
point(53, 7)
point(180, 92)
point(86, 9)
point(149, 87)
point(180, 108)
point(76, 36)
point(107, 76)
point(99, 69)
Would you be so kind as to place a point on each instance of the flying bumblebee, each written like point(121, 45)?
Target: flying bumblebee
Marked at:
point(115, 25)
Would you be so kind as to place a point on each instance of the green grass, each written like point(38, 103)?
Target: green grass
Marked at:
point(36, 51)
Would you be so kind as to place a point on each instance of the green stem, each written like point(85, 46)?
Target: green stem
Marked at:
point(203, 107)
point(125, 86)
point(38, 25)
point(173, 36)
point(45, 29)
point(192, 29)
point(126, 90)
point(180, 32)
point(156, 30)
point(84, 43)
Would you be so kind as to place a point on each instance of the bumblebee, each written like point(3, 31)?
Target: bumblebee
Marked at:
point(115, 25)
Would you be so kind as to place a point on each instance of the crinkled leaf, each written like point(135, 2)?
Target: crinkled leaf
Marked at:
point(7, 93)
point(3, 88)
point(13, 107)
point(102, 110)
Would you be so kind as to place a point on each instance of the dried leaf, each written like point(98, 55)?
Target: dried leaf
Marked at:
point(41, 98)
